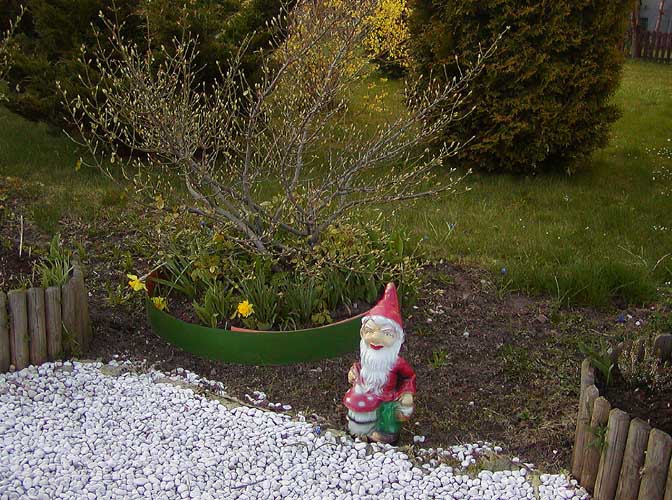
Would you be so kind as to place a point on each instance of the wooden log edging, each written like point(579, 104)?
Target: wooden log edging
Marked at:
point(37, 325)
point(614, 456)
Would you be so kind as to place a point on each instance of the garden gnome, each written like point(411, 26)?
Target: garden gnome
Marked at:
point(383, 383)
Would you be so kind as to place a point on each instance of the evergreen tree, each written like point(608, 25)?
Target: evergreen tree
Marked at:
point(543, 100)
point(53, 31)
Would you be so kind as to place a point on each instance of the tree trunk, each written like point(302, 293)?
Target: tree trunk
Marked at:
point(636, 49)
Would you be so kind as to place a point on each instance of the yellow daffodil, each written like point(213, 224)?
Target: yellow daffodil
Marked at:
point(244, 309)
point(160, 303)
point(135, 283)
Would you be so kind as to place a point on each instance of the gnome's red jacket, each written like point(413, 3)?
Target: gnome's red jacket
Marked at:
point(400, 380)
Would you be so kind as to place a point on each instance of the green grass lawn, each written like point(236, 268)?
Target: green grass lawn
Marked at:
point(601, 234)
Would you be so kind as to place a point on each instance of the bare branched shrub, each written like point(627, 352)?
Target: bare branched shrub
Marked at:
point(6, 39)
point(281, 158)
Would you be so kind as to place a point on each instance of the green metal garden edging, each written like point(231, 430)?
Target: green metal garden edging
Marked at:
point(255, 347)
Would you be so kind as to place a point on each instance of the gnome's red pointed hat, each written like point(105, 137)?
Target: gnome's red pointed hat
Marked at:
point(386, 311)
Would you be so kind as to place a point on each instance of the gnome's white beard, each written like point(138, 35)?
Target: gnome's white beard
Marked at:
point(376, 366)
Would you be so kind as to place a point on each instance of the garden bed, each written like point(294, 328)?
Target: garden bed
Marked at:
point(257, 347)
point(473, 350)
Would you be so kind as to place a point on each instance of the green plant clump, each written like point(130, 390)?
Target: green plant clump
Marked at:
point(348, 268)
point(55, 267)
point(544, 99)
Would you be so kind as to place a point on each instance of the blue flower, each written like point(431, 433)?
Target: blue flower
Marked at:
point(318, 430)
point(504, 271)
point(620, 319)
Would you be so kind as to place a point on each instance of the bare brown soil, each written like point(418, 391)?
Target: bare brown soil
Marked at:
point(490, 366)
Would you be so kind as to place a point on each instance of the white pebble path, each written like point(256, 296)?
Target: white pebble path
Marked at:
point(69, 431)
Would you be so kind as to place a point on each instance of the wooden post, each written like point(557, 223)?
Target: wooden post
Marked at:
point(582, 417)
point(5, 353)
point(662, 347)
point(587, 375)
point(656, 466)
point(82, 309)
point(52, 306)
point(582, 436)
point(69, 317)
point(18, 331)
point(612, 455)
point(591, 453)
point(668, 487)
point(633, 460)
point(36, 326)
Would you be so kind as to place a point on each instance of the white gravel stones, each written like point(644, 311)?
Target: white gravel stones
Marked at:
point(559, 487)
point(68, 430)
point(260, 399)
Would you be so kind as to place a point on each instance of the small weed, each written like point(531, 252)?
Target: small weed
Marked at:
point(516, 361)
point(117, 295)
point(439, 358)
point(444, 279)
point(600, 437)
point(524, 415)
point(127, 262)
point(504, 287)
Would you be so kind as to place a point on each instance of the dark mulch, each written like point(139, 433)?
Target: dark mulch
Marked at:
point(15, 270)
point(654, 408)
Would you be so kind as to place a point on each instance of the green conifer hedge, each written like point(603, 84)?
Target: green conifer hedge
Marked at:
point(543, 100)
point(52, 32)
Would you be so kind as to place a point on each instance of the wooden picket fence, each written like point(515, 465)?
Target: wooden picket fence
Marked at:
point(38, 325)
point(649, 45)
point(630, 461)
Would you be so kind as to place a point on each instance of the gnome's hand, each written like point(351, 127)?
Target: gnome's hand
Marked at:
point(405, 408)
point(353, 374)
point(406, 400)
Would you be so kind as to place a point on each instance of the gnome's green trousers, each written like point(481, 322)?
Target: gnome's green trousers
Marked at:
point(387, 418)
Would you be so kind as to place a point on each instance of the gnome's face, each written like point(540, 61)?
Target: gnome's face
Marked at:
point(378, 336)
point(378, 351)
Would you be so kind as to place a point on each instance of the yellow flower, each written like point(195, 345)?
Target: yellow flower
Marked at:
point(78, 165)
point(160, 303)
point(244, 309)
point(160, 202)
point(135, 283)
